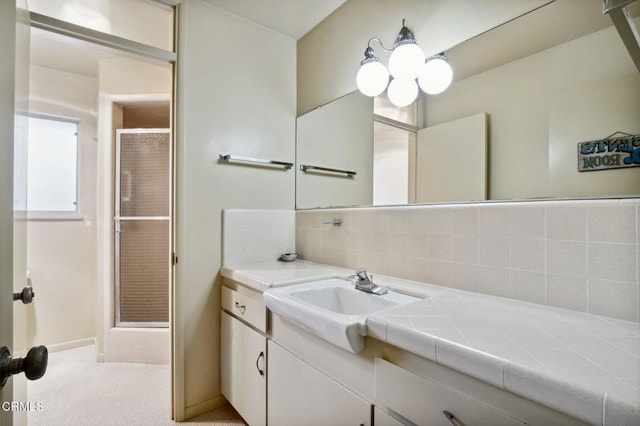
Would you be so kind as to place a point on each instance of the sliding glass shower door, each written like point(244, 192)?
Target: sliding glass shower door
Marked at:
point(142, 227)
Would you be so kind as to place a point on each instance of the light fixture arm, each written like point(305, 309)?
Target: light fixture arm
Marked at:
point(381, 45)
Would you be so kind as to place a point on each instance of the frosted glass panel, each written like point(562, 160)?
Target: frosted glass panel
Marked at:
point(144, 271)
point(144, 174)
point(143, 227)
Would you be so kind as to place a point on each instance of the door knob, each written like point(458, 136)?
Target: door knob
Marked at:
point(34, 365)
point(26, 295)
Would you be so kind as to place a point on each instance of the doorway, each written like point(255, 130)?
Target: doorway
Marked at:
point(71, 254)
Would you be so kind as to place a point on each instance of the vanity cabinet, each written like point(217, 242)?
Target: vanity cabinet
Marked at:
point(426, 402)
point(244, 355)
point(299, 394)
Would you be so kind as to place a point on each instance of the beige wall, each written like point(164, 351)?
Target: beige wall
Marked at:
point(329, 55)
point(61, 253)
point(236, 95)
point(541, 106)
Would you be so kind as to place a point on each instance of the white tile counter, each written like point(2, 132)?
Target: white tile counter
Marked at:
point(584, 365)
point(261, 276)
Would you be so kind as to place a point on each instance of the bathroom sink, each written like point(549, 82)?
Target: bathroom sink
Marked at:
point(331, 309)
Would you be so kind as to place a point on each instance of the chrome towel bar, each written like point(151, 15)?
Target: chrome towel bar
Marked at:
point(305, 167)
point(228, 157)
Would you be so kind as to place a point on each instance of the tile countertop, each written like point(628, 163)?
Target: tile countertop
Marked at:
point(585, 365)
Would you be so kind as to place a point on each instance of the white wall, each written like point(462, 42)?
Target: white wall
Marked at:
point(61, 253)
point(235, 95)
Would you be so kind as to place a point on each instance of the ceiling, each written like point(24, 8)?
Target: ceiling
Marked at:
point(293, 18)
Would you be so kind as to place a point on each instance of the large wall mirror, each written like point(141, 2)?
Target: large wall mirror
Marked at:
point(524, 95)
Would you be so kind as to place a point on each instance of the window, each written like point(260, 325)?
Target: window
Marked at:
point(52, 165)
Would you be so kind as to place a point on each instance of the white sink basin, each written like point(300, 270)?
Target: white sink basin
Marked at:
point(331, 309)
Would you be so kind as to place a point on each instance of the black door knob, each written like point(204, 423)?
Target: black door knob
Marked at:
point(34, 365)
point(26, 295)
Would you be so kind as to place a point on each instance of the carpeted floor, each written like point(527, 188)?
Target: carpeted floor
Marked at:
point(78, 390)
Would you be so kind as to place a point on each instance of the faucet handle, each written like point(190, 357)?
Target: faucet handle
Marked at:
point(361, 273)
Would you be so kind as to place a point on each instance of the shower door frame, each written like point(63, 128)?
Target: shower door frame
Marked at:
point(117, 220)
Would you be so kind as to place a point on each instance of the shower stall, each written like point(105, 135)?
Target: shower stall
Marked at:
point(142, 245)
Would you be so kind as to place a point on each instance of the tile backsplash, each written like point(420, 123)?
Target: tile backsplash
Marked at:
point(580, 255)
point(250, 236)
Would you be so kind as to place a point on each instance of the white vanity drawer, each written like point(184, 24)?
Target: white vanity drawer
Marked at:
point(248, 309)
point(424, 402)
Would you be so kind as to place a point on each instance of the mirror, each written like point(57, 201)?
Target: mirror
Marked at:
point(546, 82)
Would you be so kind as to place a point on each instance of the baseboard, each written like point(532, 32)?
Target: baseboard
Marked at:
point(205, 407)
point(57, 347)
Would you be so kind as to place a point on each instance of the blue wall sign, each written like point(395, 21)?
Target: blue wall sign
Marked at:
point(609, 153)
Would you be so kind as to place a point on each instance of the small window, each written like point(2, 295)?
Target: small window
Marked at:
point(52, 165)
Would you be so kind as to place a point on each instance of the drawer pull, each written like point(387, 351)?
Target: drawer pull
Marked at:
point(240, 307)
point(449, 415)
point(257, 361)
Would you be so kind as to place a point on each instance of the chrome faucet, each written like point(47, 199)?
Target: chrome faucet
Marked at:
point(363, 282)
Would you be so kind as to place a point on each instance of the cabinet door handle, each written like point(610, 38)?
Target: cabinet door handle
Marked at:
point(449, 415)
point(240, 307)
point(258, 366)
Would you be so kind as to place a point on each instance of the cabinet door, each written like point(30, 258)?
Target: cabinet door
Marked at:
point(428, 403)
point(380, 418)
point(243, 363)
point(299, 394)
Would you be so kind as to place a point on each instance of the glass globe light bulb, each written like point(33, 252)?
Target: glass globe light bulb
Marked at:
point(402, 91)
point(372, 78)
point(406, 61)
point(436, 75)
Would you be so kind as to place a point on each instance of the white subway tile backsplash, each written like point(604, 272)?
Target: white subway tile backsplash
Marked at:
point(417, 245)
point(256, 235)
point(493, 222)
point(440, 247)
point(580, 255)
point(465, 276)
point(528, 254)
point(610, 261)
point(567, 223)
point(417, 269)
point(528, 286)
point(440, 273)
point(611, 224)
point(465, 221)
point(465, 248)
point(494, 281)
point(567, 291)
point(613, 298)
point(567, 258)
point(440, 221)
point(528, 222)
point(494, 251)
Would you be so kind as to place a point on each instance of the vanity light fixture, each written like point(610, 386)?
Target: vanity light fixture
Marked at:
point(406, 65)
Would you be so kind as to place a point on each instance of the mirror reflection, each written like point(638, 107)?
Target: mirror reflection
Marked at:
point(524, 95)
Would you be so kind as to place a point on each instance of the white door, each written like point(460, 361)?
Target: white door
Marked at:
point(7, 72)
point(14, 104)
